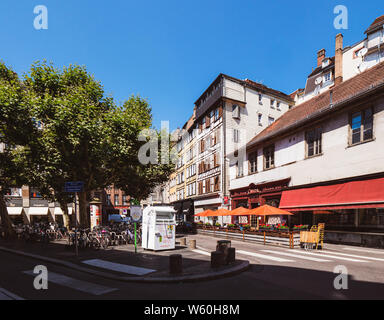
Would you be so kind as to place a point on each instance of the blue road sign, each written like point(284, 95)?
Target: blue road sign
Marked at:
point(74, 186)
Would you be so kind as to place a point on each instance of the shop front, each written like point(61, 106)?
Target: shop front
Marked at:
point(353, 211)
point(254, 196)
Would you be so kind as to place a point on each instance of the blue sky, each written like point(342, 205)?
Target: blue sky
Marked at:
point(170, 51)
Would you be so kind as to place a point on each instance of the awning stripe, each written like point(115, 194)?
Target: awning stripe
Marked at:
point(348, 195)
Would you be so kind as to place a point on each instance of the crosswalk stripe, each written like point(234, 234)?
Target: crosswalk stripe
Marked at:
point(202, 252)
point(295, 256)
point(262, 256)
point(328, 256)
point(123, 268)
point(76, 284)
point(364, 250)
point(355, 256)
point(6, 295)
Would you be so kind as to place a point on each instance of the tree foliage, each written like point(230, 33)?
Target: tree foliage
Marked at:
point(69, 130)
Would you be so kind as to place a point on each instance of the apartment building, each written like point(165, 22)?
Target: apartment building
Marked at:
point(186, 170)
point(323, 159)
point(228, 114)
point(350, 61)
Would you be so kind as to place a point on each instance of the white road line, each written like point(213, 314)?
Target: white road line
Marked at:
point(202, 252)
point(262, 256)
point(354, 256)
point(76, 284)
point(365, 250)
point(328, 256)
point(6, 295)
point(123, 268)
point(295, 256)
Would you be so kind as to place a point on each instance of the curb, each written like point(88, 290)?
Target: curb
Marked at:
point(243, 266)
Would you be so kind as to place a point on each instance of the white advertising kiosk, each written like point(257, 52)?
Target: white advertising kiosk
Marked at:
point(158, 228)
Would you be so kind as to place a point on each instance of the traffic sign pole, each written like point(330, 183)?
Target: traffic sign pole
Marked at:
point(135, 239)
point(76, 242)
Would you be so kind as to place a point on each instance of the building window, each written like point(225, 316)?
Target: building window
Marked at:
point(252, 162)
point(361, 126)
point(216, 114)
point(116, 199)
point(260, 118)
point(239, 168)
point(235, 135)
point(260, 98)
point(125, 202)
point(271, 120)
point(269, 157)
point(109, 199)
point(313, 139)
point(235, 111)
point(272, 103)
point(278, 106)
point(327, 77)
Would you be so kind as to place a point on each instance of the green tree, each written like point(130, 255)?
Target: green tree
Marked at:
point(16, 129)
point(85, 136)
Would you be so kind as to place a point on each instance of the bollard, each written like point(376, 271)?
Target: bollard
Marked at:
point(192, 244)
point(183, 241)
point(231, 257)
point(217, 259)
point(175, 264)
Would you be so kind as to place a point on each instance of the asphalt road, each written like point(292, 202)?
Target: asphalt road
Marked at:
point(275, 273)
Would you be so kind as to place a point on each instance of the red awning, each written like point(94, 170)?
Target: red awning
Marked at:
point(348, 195)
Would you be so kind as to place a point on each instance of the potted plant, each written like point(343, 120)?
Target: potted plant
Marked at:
point(300, 227)
point(282, 227)
point(266, 227)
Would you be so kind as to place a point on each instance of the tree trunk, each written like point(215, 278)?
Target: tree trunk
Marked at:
point(6, 223)
point(64, 208)
point(83, 212)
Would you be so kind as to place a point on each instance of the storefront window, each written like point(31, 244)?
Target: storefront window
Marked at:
point(34, 193)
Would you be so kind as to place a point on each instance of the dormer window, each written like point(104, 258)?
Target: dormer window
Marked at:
point(325, 63)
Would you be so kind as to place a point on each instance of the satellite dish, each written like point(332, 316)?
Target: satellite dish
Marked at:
point(363, 66)
point(319, 80)
point(362, 52)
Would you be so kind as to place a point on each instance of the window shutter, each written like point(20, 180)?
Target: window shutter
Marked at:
point(220, 111)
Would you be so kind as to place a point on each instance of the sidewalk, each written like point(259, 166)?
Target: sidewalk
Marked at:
point(123, 264)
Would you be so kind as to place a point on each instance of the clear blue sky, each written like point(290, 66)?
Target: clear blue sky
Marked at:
point(169, 51)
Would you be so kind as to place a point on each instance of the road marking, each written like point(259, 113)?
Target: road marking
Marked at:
point(328, 256)
point(76, 284)
point(355, 256)
point(123, 268)
point(364, 250)
point(202, 252)
point(262, 256)
point(6, 295)
point(296, 256)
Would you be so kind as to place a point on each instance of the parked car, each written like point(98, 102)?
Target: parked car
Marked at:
point(186, 227)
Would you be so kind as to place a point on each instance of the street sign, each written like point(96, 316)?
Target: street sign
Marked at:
point(74, 186)
point(136, 213)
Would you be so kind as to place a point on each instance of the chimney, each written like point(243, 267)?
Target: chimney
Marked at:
point(339, 59)
point(320, 57)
